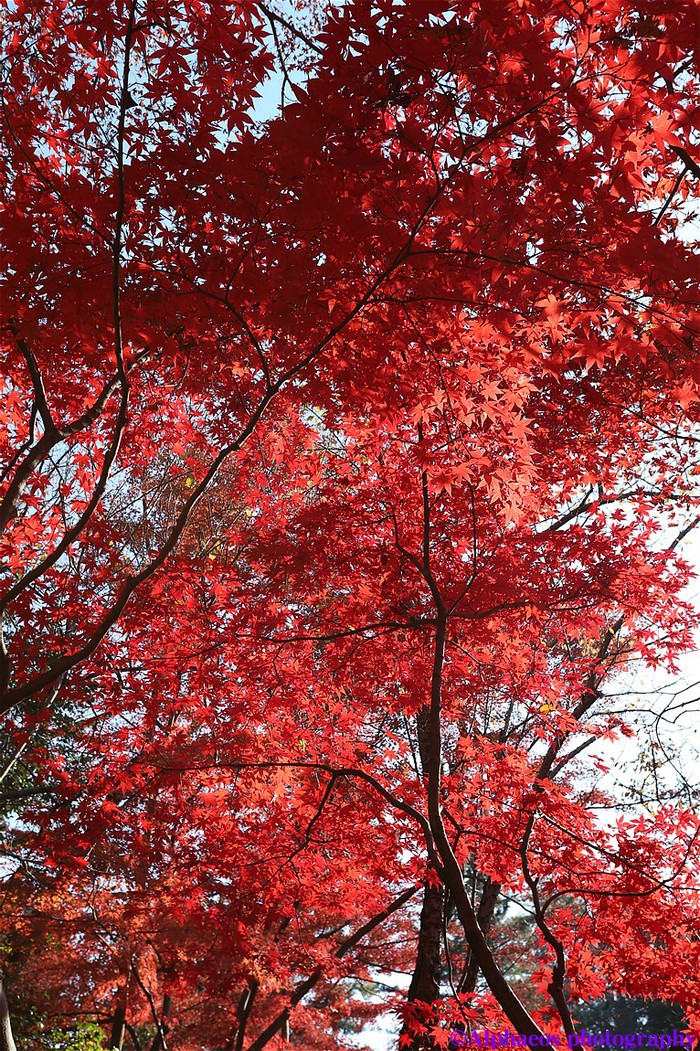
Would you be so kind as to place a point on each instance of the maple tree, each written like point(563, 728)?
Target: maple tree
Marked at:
point(347, 454)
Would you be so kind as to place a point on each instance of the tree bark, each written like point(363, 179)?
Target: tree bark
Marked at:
point(487, 905)
point(425, 982)
point(7, 1042)
point(514, 1010)
point(116, 1038)
point(159, 1039)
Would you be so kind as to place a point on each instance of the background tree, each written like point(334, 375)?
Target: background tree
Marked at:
point(634, 1015)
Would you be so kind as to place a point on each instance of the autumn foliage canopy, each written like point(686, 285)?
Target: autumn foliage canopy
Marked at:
point(348, 439)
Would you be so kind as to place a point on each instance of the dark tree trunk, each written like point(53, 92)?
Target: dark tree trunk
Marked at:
point(116, 1038)
point(7, 1042)
point(487, 905)
point(425, 981)
point(159, 1039)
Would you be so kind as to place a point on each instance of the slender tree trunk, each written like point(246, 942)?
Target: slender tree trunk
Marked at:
point(425, 981)
point(7, 1042)
point(159, 1041)
point(116, 1038)
point(516, 1013)
point(487, 905)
